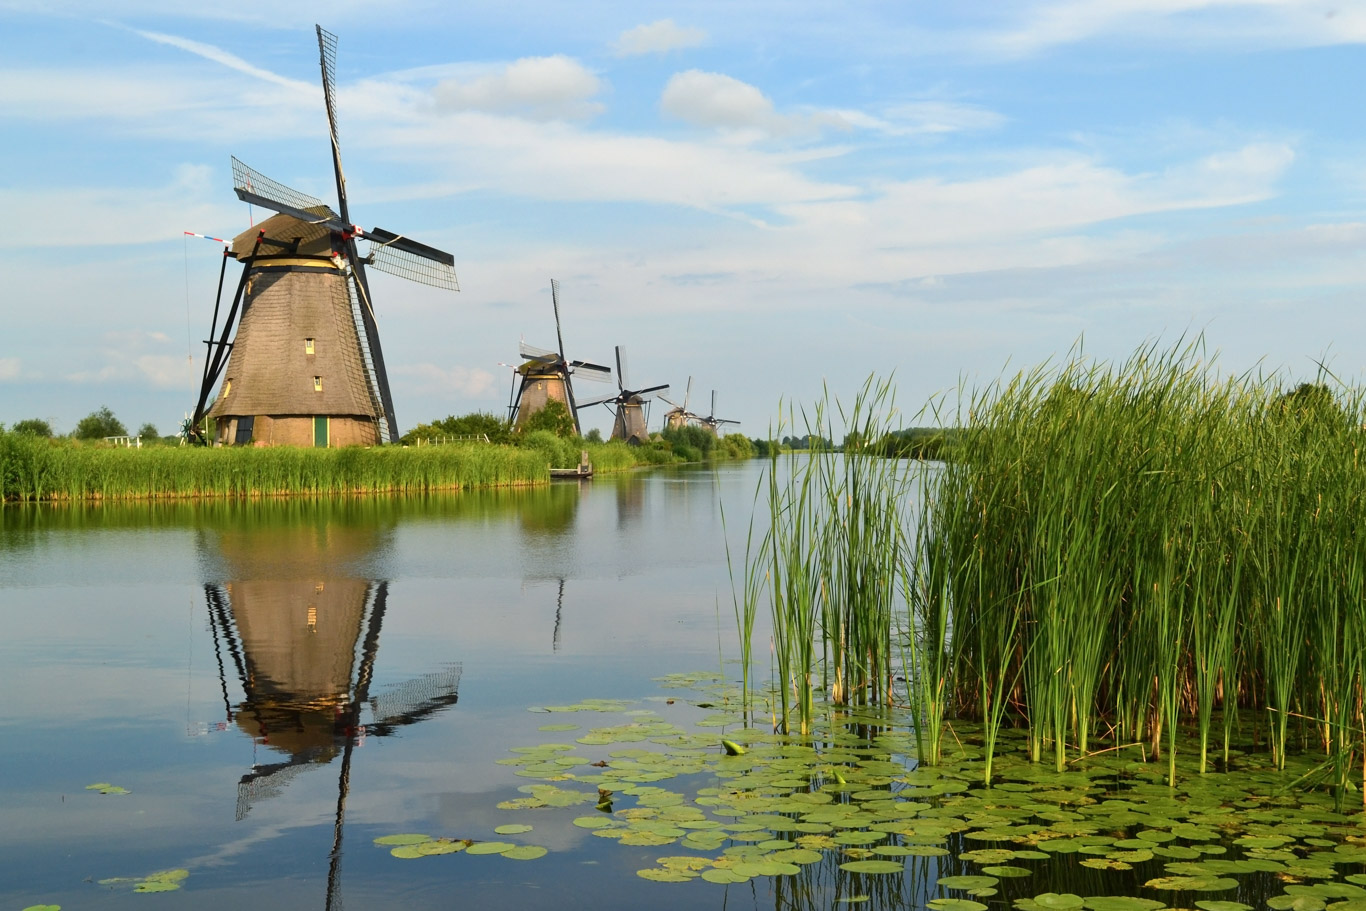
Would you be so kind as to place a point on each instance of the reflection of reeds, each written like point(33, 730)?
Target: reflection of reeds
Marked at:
point(1148, 544)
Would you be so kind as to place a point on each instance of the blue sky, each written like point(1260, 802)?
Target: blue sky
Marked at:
point(766, 196)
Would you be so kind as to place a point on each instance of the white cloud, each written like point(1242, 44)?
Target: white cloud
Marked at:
point(1282, 23)
point(467, 382)
point(548, 88)
point(9, 368)
point(658, 38)
point(116, 215)
point(718, 101)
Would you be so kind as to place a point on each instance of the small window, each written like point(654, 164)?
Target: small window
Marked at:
point(308, 346)
point(317, 384)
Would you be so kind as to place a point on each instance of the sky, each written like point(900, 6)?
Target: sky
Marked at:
point(774, 198)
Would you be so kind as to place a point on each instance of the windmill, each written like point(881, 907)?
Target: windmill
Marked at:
point(630, 406)
point(711, 421)
point(545, 376)
point(305, 366)
point(678, 417)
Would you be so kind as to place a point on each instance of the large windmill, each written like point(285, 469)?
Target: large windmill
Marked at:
point(545, 376)
point(305, 366)
point(678, 417)
point(630, 406)
point(711, 421)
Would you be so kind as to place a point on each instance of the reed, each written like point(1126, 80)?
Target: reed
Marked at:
point(1125, 549)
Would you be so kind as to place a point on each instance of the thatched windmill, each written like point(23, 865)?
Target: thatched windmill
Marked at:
point(678, 417)
point(711, 421)
point(630, 406)
point(545, 376)
point(305, 367)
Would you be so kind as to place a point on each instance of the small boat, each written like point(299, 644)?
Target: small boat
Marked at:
point(582, 472)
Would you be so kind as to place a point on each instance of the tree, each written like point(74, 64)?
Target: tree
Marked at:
point(34, 426)
point(554, 417)
point(99, 424)
point(594, 436)
point(148, 431)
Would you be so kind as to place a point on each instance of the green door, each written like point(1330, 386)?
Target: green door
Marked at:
point(320, 430)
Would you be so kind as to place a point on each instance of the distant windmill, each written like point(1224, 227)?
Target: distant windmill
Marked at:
point(678, 417)
point(711, 421)
point(546, 376)
point(630, 406)
point(305, 366)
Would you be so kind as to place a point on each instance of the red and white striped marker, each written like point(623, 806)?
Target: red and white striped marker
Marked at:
point(207, 237)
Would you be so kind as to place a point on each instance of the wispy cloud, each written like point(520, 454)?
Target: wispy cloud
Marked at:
point(658, 38)
point(9, 368)
point(232, 61)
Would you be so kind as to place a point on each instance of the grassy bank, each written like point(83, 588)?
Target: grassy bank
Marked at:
point(38, 469)
point(1116, 552)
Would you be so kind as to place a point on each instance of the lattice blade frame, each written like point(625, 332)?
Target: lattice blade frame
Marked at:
point(420, 269)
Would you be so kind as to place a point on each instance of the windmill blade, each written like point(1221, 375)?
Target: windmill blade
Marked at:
point(713, 404)
point(723, 421)
point(687, 396)
point(621, 369)
point(593, 372)
point(591, 402)
point(532, 353)
point(256, 188)
point(670, 401)
point(651, 392)
point(406, 258)
point(424, 270)
point(555, 302)
point(327, 60)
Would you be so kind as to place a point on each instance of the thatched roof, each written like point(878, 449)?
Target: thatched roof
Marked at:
point(315, 240)
point(270, 370)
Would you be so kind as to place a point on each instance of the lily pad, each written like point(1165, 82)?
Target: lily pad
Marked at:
point(490, 847)
point(513, 829)
point(405, 839)
point(525, 852)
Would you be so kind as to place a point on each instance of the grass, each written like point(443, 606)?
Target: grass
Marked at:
point(38, 469)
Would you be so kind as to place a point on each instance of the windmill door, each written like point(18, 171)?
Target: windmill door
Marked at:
point(320, 430)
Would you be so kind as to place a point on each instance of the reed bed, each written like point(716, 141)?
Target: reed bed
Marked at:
point(1116, 553)
point(35, 469)
point(1119, 550)
point(829, 565)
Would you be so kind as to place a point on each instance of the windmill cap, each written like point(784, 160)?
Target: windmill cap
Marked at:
point(314, 240)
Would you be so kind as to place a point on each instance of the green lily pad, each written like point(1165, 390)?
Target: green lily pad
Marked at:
point(512, 829)
point(955, 904)
point(489, 847)
point(1121, 903)
point(439, 846)
point(1192, 883)
point(406, 839)
point(1210, 905)
point(723, 876)
point(967, 882)
point(1058, 901)
point(525, 852)
point(660, 875)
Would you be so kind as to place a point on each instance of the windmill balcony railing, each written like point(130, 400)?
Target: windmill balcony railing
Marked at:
point(130, 442)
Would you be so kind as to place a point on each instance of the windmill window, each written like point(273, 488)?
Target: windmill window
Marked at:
point(317, 384)
point(308, 346)
point(227, 387)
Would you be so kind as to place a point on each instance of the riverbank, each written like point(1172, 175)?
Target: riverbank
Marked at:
point(34, 469)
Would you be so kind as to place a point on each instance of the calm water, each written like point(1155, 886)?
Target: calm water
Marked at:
point(208, 658)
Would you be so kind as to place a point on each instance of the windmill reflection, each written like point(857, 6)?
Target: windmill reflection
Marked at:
point(302, 634)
